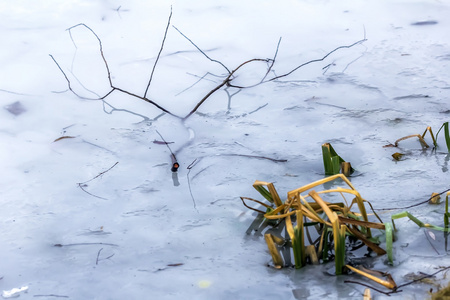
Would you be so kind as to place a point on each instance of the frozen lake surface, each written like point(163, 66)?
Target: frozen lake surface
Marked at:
point(140, 231)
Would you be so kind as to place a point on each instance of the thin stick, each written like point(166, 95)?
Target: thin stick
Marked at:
point(413, 205)
point(82, 188)
point(213, 60)
point(84, 244)
point(317, 60)
point(51, 295)
point(98, 255)
point(175, 164)
point(189, 182)
point(159, 53)
point(100, 45)
point(273, 60)
point(426, 276)
point(371, 287)
point(146, 100)
point(100, 174)
point(81, 185)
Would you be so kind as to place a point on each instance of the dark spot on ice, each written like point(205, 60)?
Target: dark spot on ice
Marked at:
point(413, 96)
point(421, 23)
point(16, 108)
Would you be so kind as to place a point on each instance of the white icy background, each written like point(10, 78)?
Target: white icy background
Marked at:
point(152, 222)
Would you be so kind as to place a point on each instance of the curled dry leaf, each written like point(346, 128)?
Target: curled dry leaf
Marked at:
point(64, 137)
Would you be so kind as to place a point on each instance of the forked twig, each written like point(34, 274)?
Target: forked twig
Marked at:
point(159, 54)
point(81, 185)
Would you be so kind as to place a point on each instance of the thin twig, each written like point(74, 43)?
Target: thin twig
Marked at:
point(98, 255)
point(422, 278)
point(100, 174)
point(189, 182)
point(82, 188)
point(146, 100)
point(213, 60)
point(101, 48)
point(84, 244)
point(159, 53)
point(256, 156)
point(273, 60)
point(175, 163)
point(298, 67)
point(369, 286)
point(413, 205)
point(51, 295)
point(81, 185)
point(317, 60)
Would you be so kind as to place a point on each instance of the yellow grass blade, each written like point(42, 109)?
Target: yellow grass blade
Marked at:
point(422, 141)
point(390, 284)
point(312, 254)
point(276, 257)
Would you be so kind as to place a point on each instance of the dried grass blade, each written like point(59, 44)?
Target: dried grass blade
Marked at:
point(312, 254)
point(377, 249)
point(361, 223)
point(390, 284)
point(422, 141)
point(276, 257)
point(259, 202)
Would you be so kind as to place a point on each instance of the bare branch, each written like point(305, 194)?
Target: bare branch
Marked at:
point(159, 53)
point(317, 60)
point(225, 82)
point(213, 60)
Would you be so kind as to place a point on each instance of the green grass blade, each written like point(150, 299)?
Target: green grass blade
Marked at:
point(331, 160)
point(326, 155)
point(263, 191)
point(447, 136)
point(446, 215)
point(298, 243)
point(389, 241)
point(446, 133)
